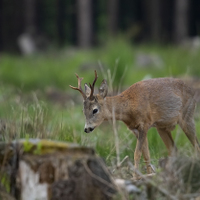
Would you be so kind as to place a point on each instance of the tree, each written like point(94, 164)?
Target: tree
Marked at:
point(181, 29)
point(113, 16)
point(152, 19)
point(1, 19)
point(30, 14)
point(84, 23)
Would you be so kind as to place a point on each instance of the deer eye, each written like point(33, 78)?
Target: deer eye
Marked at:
point(95, 111)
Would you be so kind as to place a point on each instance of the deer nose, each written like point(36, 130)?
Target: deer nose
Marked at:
point(87, 130)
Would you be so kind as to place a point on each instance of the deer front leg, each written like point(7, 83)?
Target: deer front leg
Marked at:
point(145, 152)
point(140, 148)
point(146, 155)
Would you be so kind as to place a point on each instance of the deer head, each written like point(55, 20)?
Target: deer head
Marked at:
point(93, 105)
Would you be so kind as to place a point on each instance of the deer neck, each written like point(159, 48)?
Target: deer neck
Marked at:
point(115, 107)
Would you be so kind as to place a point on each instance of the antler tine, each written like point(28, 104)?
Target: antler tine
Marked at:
point(79, 81)
point(79, 86)
point(92, 86)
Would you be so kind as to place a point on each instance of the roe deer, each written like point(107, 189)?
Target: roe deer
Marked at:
point(159, 102)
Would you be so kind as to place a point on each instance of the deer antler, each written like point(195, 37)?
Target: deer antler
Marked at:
point(92, 86)
point(79, 87)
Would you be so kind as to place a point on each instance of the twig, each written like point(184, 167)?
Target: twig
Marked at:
point(125, 158)
point(149, 181)
point(101, 180)
point(190, 196)
point(110, 80)
point(121, 79)
point(116, 137)
point(114, 123)
point(102, 69)
point(115, 69)
point(112, 185)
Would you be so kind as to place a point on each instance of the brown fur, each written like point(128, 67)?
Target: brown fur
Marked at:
point(160, 103)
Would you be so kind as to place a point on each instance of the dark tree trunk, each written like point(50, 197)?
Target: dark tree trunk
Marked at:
point(181, 20)
point(60, 21)
point(84, 22)
point(152, 19)
point(10, 24)
point(1, 20)
point(167, 16)
point(113, 7)
point(30, 14)
point(155, 20)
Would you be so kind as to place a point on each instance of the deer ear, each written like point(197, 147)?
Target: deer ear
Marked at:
point(87, 90)
point(103, 90)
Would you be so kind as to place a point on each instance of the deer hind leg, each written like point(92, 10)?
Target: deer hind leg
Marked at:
point(187, 124)
point(188, 127)
point(166, 137)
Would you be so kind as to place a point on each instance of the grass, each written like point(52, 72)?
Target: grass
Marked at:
point(27, 111)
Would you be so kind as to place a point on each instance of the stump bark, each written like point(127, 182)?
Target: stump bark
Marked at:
point(48, 170)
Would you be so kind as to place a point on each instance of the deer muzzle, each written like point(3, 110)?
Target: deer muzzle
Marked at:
point(88, 129)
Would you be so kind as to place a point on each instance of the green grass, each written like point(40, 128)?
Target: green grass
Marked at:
point(23, 78)
point(57, 68)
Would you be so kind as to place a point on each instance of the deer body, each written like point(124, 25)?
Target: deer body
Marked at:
point(156, 102)
point(160, 103)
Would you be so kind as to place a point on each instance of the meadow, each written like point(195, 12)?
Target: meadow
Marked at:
point(36, 101)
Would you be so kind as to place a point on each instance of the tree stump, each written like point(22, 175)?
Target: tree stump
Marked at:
point(48, 170)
